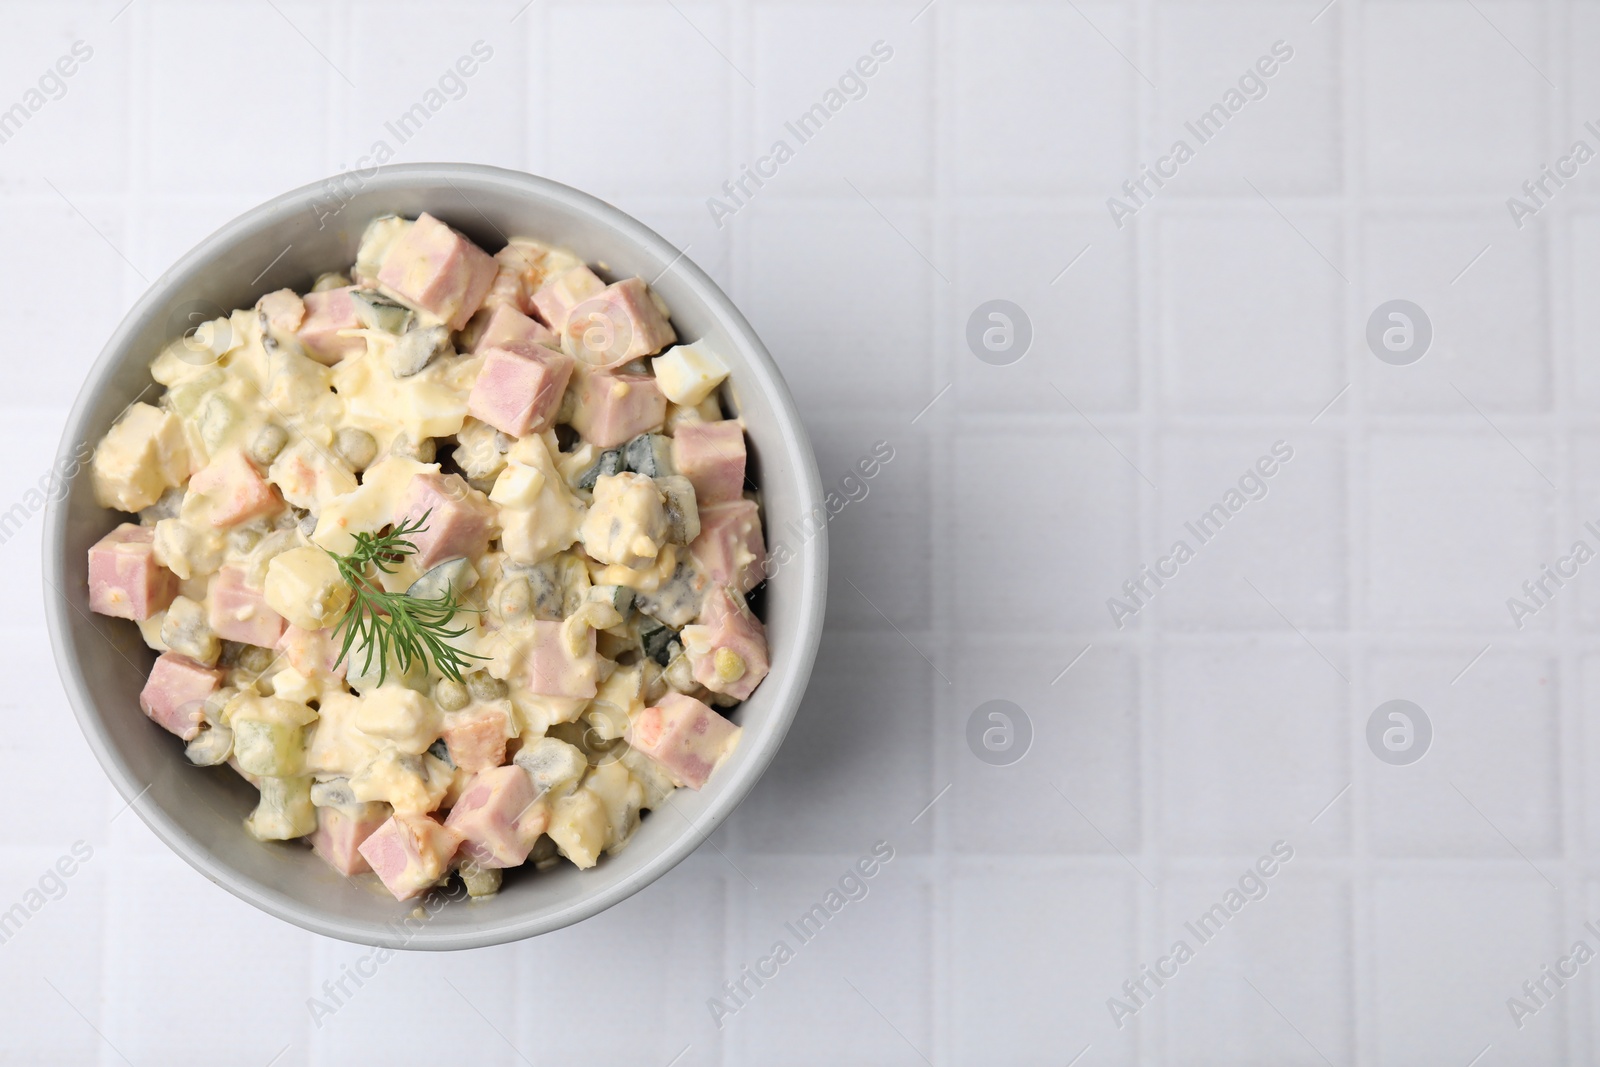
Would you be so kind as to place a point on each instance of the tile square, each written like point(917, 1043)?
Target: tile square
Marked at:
point(473, 993)
point(1496, 748)
point(1448, 93)
point(857, 762)
point(1485, 297)
point(879, 129)
point(673, 932)
point(1439, 997)
point(1250, 313)
point(279, 85)
point(877, 940)
point(1021, 66)
point(838, 295)
point(254, 1009)
point(1287, 536)
point(1285, 135)
point(73, 130)
point(1082, 319)
point(608, 136)
point(65, 255)
point(1455, 523)
point(1583, 230)
point(1252, 746)
point(1290, 939)
point(56, 939)
point(1009, 937)
point(415, 99)
point(1080, 777)
point(880, 537)
point(1074, 519)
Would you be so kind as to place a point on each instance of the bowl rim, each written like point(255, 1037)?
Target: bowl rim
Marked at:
point(790, 685)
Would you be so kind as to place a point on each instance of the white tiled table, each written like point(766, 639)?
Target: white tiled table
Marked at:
point(1229, 714)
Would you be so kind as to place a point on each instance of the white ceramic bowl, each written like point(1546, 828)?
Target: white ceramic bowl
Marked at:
point(199, 812)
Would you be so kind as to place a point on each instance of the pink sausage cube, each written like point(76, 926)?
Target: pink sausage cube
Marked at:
point(409, 853)
point(613, 409)
point(730, 550)
point(340, 833)
point(552, 670)
point(618, 324)
point(498, 818)
point(312, 652)
point(477, 742)
point(175, 694)
point(236, 490)
point(506, 324)
point(518, 390)
point(438, 270)
point(327, 314)
point(125, 581)
point(684, 737)
point(556, 298)
point(460, 519)
point(711, 455)
point(729, 628)
point(240, 613)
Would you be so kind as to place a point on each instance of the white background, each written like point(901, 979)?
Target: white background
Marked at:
point(1229, 314)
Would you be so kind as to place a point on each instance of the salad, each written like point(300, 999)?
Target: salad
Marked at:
point(448, 557)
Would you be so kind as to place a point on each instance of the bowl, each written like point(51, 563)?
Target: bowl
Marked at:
point(199, 812)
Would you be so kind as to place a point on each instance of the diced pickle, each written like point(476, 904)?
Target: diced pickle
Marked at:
point(416, 348)
point(269, 749)
point(649, 454)
point(217, 419)
point(609, 463)
point(656, 640)
point(683, 510)
point(485, 686)
point(378, 312)
point(456, 574)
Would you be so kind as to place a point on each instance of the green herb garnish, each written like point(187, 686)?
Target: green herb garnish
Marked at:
point(413, 628)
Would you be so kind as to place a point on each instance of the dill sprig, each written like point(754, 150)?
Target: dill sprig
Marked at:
point(412, 628)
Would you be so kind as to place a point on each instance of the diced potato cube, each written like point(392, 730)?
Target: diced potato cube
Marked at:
point(305, 587)
point(578, 826)
point(285, 810)
point(142, 456)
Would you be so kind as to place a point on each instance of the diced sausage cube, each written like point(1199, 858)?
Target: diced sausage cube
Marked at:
point(712, 456)
point(410, 853)
point(439, 271)
point(234, 489)
point(328, 315)
point(498, 817)
point(518, 389)
point(727, 646)
point(617, 324)
point(125, 581)
point(557, 669)
point(556, 298)
point(613, 409)
point(175, 694)
point(341, 832)
point(141, 457)
point(684, 737)
point(477, 741)
point(240, 613)
point(506, 324)
point(460, 519)
point(730, 550)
